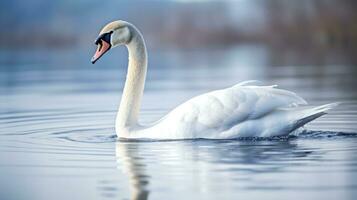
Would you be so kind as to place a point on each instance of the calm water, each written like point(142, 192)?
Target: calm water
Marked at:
point(57, 138)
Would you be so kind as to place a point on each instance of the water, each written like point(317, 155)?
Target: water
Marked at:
point(57, 138)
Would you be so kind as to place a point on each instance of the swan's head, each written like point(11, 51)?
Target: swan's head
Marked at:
point(113, 34)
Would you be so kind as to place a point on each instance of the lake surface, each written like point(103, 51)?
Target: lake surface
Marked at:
point(57, 138)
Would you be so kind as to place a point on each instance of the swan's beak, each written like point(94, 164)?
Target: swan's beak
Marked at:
point(103, 47)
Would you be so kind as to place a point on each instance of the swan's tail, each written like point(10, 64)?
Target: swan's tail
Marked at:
point(307, 115)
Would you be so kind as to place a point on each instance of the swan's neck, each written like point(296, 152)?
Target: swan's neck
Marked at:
point(128, 112)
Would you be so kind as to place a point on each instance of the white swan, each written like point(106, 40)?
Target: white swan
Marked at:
point(244, 110)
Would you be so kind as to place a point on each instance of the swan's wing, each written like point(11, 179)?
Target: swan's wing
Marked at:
point(221, 109)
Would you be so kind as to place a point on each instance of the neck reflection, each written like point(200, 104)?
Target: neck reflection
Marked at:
point(128, 156)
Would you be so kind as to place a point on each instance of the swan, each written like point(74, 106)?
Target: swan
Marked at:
point(247, 109)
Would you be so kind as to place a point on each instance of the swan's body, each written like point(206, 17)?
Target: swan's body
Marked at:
point(244, 110)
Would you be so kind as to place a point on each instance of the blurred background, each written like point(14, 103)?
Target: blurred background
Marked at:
point(321, 32)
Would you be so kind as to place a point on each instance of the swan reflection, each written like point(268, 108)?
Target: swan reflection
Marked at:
point(132, 163)
point(204, 165)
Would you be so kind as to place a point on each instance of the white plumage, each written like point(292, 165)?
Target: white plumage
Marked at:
point(239, 111)
point(244, 110)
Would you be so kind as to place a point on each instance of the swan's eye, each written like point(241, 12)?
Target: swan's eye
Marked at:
point(105, 37)
point(98, 41)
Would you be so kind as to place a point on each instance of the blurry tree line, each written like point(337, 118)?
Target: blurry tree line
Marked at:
point(196, 24)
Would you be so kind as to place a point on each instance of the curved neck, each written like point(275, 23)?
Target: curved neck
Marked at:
point(135, 81)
